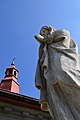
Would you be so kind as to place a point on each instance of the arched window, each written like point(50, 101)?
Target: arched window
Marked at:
point(15, 73)
point(10, 72)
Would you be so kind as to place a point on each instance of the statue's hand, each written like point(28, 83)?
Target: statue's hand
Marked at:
point(40, 38)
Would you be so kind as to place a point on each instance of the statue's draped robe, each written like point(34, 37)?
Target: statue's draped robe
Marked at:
point(58, 77)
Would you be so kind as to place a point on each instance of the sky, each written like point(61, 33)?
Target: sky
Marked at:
point(20, 20)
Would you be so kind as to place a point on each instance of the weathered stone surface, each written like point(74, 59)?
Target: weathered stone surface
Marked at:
point(58, 74)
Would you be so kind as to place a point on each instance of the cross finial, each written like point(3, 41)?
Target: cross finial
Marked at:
point(13, 61)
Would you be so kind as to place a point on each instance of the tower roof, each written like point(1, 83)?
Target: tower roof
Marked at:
point(9, 82)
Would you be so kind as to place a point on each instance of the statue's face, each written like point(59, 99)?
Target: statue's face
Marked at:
point(44, 32)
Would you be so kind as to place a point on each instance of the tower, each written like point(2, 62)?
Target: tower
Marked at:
point(9, 82)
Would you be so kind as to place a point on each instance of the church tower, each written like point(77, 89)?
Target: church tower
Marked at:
point(9, 82)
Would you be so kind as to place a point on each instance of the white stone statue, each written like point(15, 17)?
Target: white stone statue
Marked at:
point(58, 74)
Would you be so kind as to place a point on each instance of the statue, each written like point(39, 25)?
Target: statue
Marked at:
point(58, 74)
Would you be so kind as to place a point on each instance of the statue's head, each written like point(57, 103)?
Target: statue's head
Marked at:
point(46, 31)
point(46, 34)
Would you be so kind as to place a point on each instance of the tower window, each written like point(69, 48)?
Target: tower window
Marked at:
point(10, 72)
point(15, 73)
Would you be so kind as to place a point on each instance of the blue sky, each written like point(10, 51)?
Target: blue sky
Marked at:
point(19, 21)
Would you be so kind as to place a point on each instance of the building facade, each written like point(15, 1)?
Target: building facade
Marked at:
point(14, 106)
